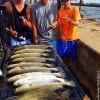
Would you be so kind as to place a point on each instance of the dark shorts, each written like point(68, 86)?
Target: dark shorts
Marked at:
point(50, 42)
point(67, 49)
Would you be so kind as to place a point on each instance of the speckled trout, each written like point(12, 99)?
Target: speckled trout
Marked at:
point(20, 70)
point(49, 86)
point(32, 51)
point(43, 79)
point(29, 55)
point(34, 46)
point(23, 64)
point(16, 77)
point(34, 59)
point(36, 94)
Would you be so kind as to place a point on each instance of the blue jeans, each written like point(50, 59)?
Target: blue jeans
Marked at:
point(15, 42)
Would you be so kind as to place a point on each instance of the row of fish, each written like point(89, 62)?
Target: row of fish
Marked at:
point(34, 74)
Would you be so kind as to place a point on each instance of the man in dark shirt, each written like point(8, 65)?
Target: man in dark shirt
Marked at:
point(20, 22)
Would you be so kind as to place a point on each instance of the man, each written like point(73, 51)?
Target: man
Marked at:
point(20, 22)
point(68, 20)
point(44, 13)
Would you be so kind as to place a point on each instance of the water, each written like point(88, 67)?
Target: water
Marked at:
point(91, 12)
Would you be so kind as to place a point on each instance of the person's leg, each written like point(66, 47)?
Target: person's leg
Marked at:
point(71, 49)
point(62, 48)
point(67, 50)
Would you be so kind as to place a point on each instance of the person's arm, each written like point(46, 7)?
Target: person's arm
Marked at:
point(27, 20)
point(71, 21)
point(34, 30)
point(13, 33)
point(54, 24)
point(9, 10)
point(55, 11)
point(8, 7)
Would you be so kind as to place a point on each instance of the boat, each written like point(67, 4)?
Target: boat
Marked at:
point(84, 71)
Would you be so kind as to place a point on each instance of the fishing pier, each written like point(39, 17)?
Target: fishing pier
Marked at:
point(84, 71)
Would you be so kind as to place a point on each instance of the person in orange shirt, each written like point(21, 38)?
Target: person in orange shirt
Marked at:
point(68, 20)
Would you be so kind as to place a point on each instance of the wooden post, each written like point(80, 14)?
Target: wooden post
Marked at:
point(80, 4)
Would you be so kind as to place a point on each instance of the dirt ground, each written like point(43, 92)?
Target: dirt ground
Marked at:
point(89, 33)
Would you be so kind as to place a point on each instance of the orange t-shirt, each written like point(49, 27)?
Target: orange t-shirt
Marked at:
point(68, 31)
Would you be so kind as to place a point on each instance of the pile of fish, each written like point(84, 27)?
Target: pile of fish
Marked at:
point(33, 73)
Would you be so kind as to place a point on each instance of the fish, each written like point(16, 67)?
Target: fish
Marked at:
point(29, 55)
point(33, 59)
point(28, 64)
point(20, 70)
point(17, 77)
point(36, 94)
point(39, 94)
point(32, 51)
point(49, 86)
point(34, 46)
point(43, 79)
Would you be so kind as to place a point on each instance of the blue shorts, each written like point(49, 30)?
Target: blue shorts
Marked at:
point(15, 42)
point(67, 49)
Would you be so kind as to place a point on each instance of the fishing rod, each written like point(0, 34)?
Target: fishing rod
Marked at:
point(12, 17)
point(3, 25)
point(4, 44)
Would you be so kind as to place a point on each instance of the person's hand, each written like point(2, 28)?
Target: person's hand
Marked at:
point(68, 19)
point(54, 24)
point(14, 33)
point(35, 41)
point(24, 20)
